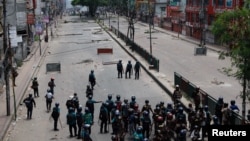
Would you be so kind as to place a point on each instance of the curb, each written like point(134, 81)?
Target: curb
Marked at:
point(144, 67)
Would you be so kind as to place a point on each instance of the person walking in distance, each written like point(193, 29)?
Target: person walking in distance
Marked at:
point(71, 121)
point(49, 98)
point(129, 70)
point(35, 87)
point(29, 102)
point(52, 85)
point(120, 69)
point(137, 69)
point(55, 115)
point(92, 79)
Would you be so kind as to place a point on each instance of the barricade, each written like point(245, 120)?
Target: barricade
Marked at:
point(52, 67)
point(105, 50)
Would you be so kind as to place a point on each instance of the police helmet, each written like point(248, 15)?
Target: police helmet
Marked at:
point(145, 139)
point(30, 95)
point(129, 61)
point(71, 109)
point(183, 132)
point(125, 100)
point(160, 119)
point(48, 90)
point(145, 113)
point(35, 78)
point(113, 137)
point(92, 71)
point(117, 112)
point(180, 109)
point(86, 126)
point(139, 129)
point(86, 109)
point(220, 99)
point(75, 94)
point(136, 106)
point(146, 101)
point(118, 97)
point(90, 97)
point(196, 127)
point(56, 104)
point(161, 103)
point(206, 108)
point(177, 86)
point(52, 78)
point(169, 105)
point(79, 109)
point(110, 96)
point(232, 102)
point(133, 98)
point(169, 116)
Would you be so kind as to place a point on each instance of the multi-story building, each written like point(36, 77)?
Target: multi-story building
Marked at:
point(200, 15)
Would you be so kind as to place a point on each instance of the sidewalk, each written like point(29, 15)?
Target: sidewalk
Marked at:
point(26, 72)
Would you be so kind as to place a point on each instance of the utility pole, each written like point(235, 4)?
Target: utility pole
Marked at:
point(6, 62)
point(202, 16)
point(150, 22)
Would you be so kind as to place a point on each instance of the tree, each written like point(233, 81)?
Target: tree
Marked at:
point(233, 28)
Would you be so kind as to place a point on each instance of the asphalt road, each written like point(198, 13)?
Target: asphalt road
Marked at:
point(75, 48)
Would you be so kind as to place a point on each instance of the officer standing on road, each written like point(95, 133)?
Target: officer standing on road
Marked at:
point(55, 115)
point(147, 107)
point(49, 98)
point(103, 116)
point(89, 91)
point(92, 79)
point(120, 69)
point(146, 123)
point(79, 120)
point(35, 87)
point(71, 121)
point(129, 70)
point(110, 103)
point(29, 102)
point(52, 85)
point(90, 104)
point(137, 69)
point(87, 119)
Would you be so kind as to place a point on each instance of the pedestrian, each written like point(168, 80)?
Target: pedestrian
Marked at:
point(71, 121)
point(56, 115)
point(14, 75)
point(35, 87)
point(87, 119)
point(146, 124)
point(92, 79)
point(129, 70)
point(218, 108)
point(49, 98)
point(52, 85)
point(103, 116)
point(29, 102)
point(137, 69)
point(69, 102)
point(90, 104)
point(79, 120)
point(120, 69)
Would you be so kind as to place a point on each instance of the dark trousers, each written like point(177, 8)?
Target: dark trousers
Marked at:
point(104, 124)
point(119, 74)
point(36, 93)
point(92, 113)
point(29, 112)
point(128, 72)
point(55, 123)
point(72, 127)
point(136, 74)
point(52, 90)
point(79, 130)
point(48, 104)
point(145, 131)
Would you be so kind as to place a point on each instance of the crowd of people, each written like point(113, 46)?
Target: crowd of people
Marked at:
point(164, 122)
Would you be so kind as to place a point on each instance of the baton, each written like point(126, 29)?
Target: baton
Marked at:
point(60, 122)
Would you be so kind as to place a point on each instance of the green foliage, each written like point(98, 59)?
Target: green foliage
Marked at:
point(233, 28)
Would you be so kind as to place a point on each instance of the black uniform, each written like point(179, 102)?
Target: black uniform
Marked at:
point(35, 87)
point(29, 102)
point(79, 120)
point(119, 69)
point(137, 68)
point(129, 70)
point(103, 116)
point(92, 79)
point(51, 85)
point(55, 115)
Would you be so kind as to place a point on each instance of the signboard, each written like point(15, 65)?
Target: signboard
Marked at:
point(39, 29)
point(30, 18)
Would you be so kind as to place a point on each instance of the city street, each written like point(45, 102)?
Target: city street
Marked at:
point(177, 55)
point(75, 48)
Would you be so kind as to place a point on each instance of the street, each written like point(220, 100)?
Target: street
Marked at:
point(75, 48)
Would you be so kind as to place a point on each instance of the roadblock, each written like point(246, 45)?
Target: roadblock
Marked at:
point(105, 50)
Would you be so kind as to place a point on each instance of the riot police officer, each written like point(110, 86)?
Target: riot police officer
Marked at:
point(110, 103)
point(79, 120)
point(146, 124)
point(92, 79)
point(90, 104)
point(55, 115)
point(71, 121)
point(103, 116)
point(120, 69)
point(129, 70)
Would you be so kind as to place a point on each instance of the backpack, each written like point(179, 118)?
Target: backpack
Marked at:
point(55, 113)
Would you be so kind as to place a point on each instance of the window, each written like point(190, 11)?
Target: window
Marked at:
point(229, 3)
